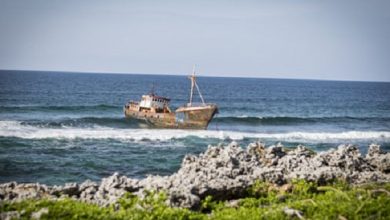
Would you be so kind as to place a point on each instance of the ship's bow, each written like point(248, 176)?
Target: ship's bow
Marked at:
point(197, 117)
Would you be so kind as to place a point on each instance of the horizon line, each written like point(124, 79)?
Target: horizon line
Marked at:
point(172, 74)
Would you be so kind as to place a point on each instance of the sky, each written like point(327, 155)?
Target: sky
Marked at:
point(313, 39)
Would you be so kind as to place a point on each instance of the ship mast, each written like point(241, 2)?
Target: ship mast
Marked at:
point(193, 83)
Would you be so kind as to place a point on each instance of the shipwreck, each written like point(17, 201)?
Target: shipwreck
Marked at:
point(156, 112)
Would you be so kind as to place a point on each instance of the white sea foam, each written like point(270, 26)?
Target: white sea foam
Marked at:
point(16, 129)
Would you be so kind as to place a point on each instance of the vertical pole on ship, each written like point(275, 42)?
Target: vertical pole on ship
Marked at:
point(192, 84)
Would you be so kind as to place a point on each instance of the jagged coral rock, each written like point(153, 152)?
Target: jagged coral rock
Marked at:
point(224, 172)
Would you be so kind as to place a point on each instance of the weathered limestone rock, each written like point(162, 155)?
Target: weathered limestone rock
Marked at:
point(224, 172)
point(378, 159)
point(88, 187)
point(14, 191)
point(69, 189)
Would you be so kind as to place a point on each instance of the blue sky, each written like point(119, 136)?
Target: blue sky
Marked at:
point(336, 40)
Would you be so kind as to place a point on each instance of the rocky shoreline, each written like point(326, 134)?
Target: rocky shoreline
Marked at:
point(224, 172)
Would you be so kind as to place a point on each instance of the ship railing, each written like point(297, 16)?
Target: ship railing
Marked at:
point(197, 104)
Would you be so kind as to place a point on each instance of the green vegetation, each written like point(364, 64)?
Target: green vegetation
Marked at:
point(264, 201)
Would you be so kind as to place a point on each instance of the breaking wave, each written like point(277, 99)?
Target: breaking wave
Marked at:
point(252, 120)
point(122, 122)
point(20, 130)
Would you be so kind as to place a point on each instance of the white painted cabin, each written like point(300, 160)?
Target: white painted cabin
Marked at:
point(153, 101)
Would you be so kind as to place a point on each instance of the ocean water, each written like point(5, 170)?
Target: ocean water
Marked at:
point(60, 127)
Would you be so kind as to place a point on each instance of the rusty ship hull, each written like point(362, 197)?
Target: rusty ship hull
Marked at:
point(196, 116)
point(184, 118)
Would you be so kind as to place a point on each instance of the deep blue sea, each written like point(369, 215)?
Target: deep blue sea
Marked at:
point(58, 127)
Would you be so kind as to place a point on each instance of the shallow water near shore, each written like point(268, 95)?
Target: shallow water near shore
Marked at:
point(62, 127)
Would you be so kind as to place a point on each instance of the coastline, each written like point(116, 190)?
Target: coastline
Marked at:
point(224, 173)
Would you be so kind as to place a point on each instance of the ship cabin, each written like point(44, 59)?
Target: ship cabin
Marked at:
point(154, 103)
